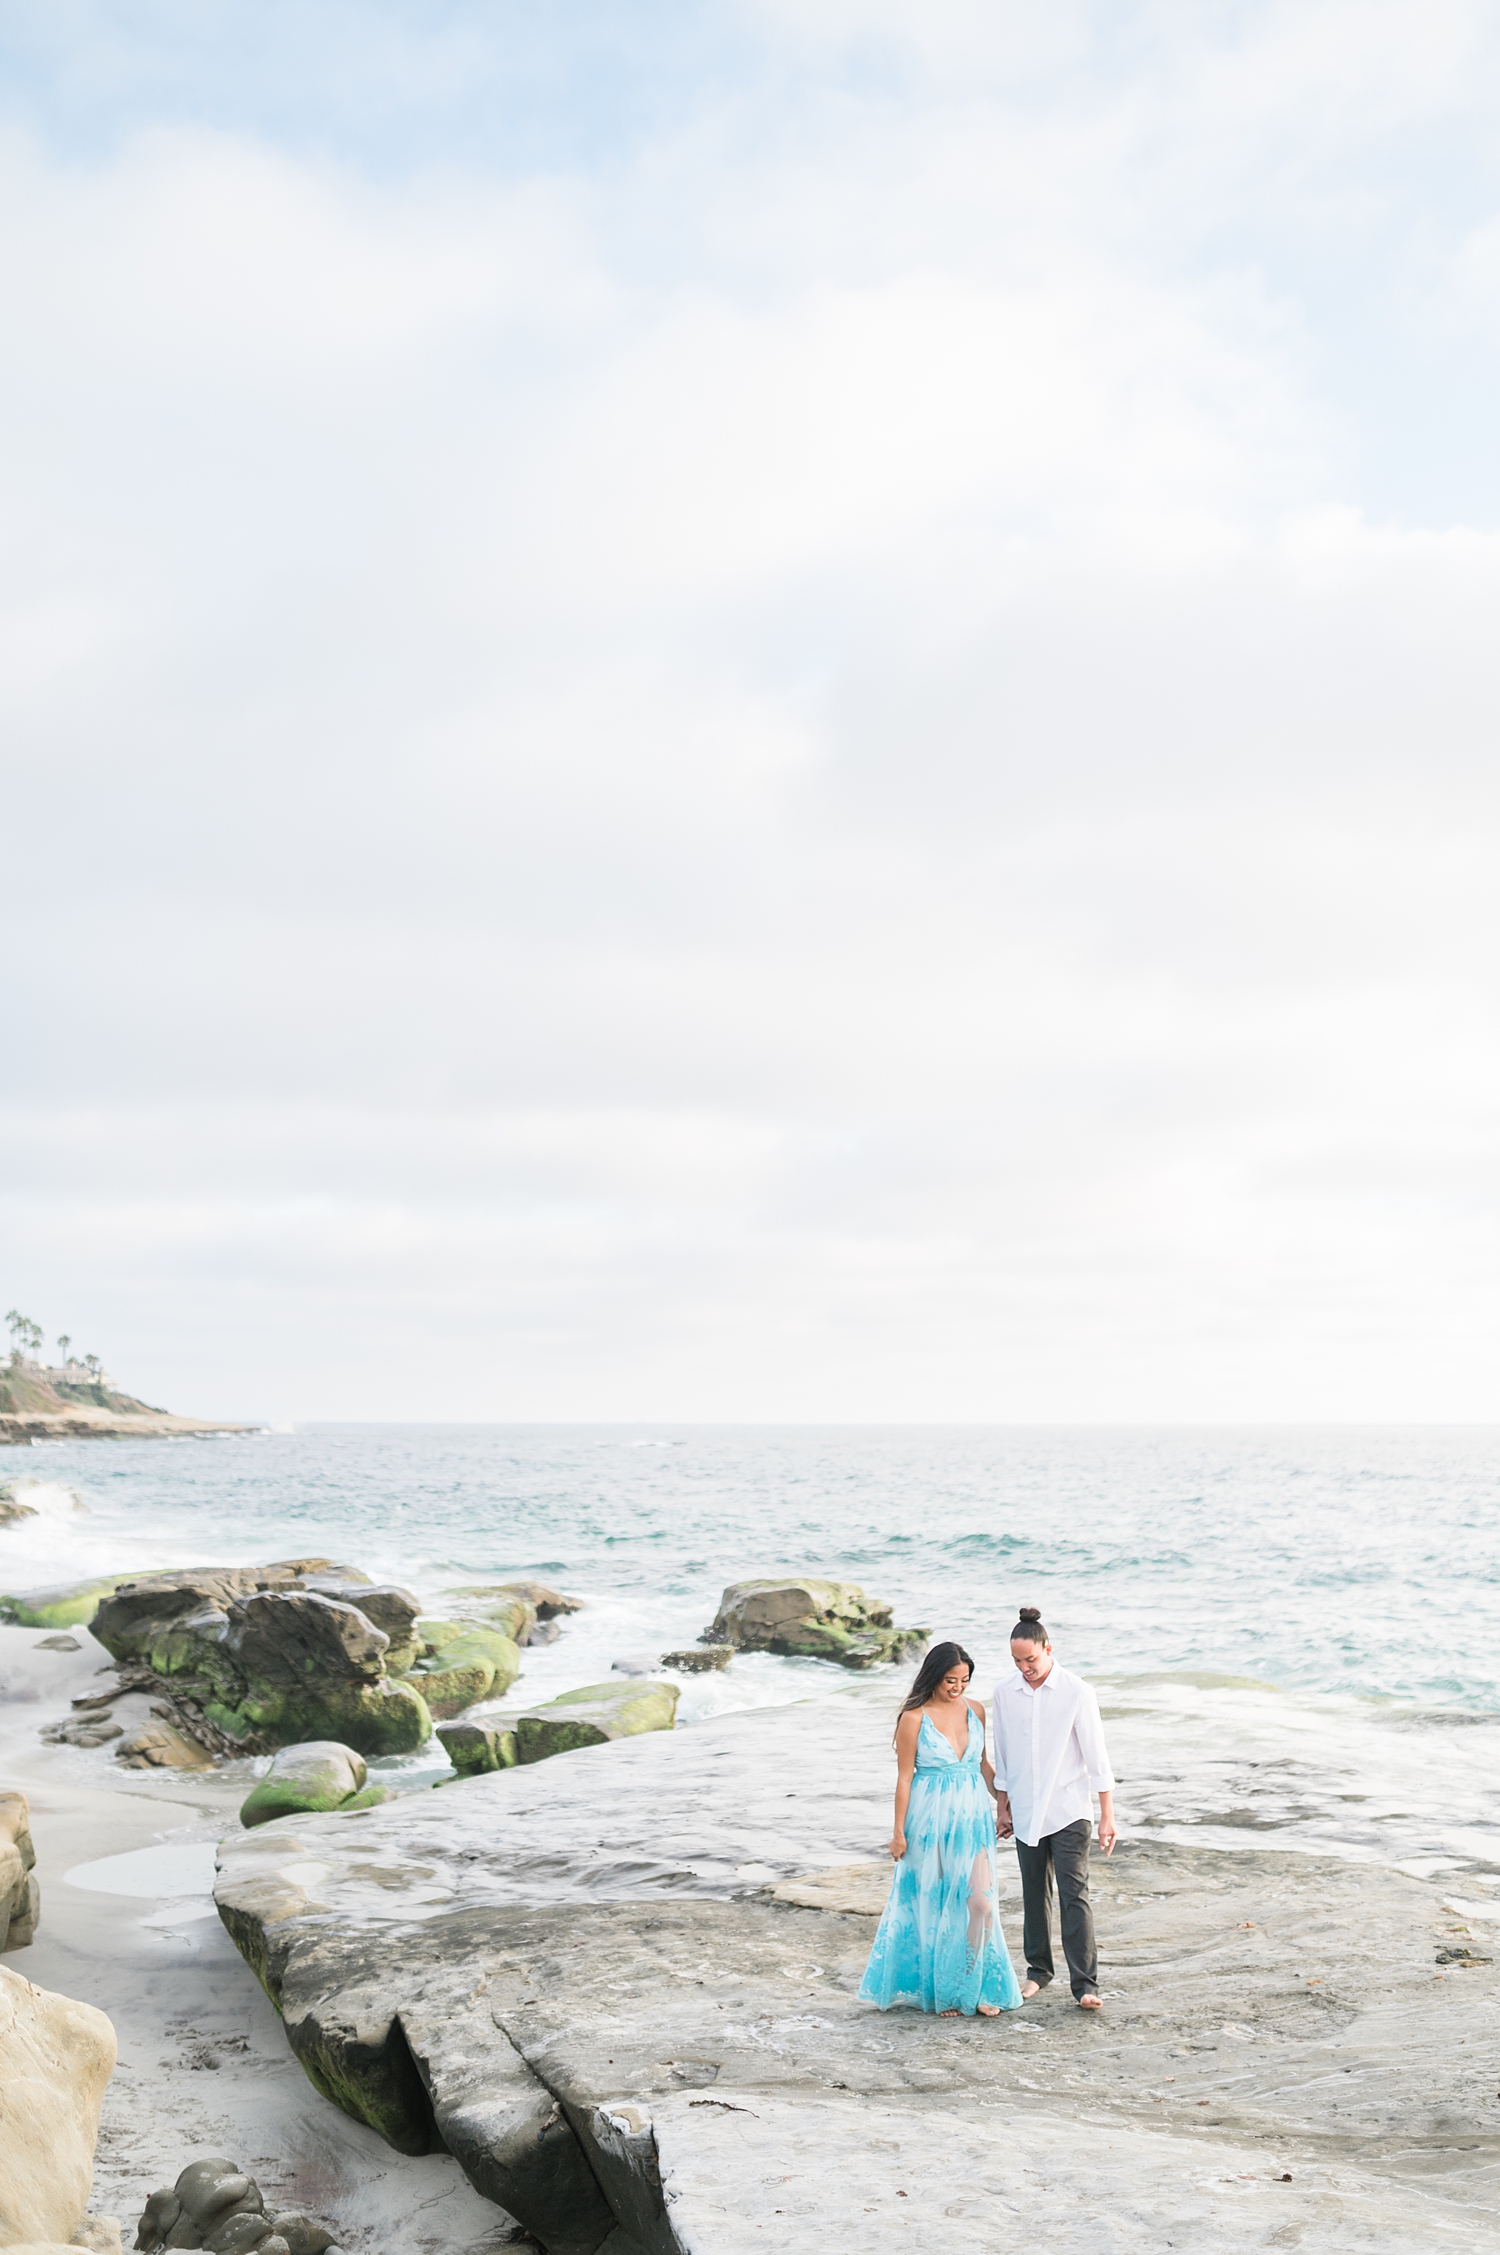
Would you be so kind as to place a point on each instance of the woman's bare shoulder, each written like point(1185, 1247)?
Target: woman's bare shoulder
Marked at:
point(977, 1705)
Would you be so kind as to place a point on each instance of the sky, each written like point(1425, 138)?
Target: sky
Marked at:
point(777, 710)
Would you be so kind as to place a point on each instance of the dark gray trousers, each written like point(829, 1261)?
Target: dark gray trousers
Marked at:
point(1067, 1854)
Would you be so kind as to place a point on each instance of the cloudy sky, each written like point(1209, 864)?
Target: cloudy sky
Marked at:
point(754, 708)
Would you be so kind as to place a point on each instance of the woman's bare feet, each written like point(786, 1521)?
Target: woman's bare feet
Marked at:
point(1091, 2003)
point(990, 2011)
point(1030, 1989)
point(952, 2013)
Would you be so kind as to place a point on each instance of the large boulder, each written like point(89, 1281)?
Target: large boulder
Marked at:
point(20, 1897)
point(137, 1613)
point(593, 1715)
point(308, 1780)
point(56, 2056)
point(257, 1658)
point(460, 1662)
point(811, 1619)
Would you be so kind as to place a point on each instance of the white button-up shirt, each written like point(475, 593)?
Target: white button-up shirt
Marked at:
point(1050, 1755)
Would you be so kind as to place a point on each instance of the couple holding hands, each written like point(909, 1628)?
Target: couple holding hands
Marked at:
point(939, 1944)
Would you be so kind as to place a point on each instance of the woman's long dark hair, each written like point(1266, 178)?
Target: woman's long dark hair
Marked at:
point(935, 1666)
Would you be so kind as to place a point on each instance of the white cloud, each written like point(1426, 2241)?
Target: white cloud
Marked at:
point(777, 779)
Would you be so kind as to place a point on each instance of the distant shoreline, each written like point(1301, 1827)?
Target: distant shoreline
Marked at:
point(19, 1431)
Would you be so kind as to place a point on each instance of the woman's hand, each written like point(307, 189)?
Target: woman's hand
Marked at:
point(897, 1846)
point(1004, 1828)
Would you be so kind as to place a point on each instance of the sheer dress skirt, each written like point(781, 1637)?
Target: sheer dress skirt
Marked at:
point(938, 1945)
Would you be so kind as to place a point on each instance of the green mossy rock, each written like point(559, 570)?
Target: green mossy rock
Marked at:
point(811, 1619)
point(462, 1661)
point(593, 1715)
point(70, 1607)
point(370, 1798)
point(273, 1656)
point(378, 1718)
point(476, 1749)
point(503, 1610)
point(305, 1780)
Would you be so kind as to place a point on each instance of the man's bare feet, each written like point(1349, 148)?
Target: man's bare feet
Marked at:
point(1031, 1989)
point(1091, 2003)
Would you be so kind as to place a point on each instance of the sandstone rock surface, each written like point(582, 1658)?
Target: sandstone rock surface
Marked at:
point(811, 1619)
point(20, 1895)
point(256, 1658)
point(580, 1976)
point(56, 2056)
point(158, 1746)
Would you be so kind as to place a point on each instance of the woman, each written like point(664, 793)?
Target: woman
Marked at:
point(939, 1944)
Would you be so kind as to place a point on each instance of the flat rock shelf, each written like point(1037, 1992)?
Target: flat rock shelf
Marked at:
point(621, 1989)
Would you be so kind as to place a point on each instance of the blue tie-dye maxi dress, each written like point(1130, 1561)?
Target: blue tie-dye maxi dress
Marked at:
point(939, 1944)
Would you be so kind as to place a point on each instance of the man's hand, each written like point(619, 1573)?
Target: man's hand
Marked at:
point(1004, 1829)
point(1107, 1833)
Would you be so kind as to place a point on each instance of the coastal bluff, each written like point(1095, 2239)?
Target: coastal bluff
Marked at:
point(621, 1989)
point(47, 1405)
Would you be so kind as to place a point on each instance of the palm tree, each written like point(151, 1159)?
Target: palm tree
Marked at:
point(63, 1344)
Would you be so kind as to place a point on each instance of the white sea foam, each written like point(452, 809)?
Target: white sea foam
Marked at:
point(49, 1499)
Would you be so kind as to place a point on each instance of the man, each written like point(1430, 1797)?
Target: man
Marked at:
point(1050, 1760)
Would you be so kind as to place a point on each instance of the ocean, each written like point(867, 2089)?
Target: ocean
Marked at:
point(1295, 1634)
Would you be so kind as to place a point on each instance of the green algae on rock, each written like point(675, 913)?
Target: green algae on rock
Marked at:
point(310, 1780)
point(477, 1748)
point(811, 1620)
point(69, 1606)
point(264, 1657)
point(595, 1714)
point(458, 1662)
